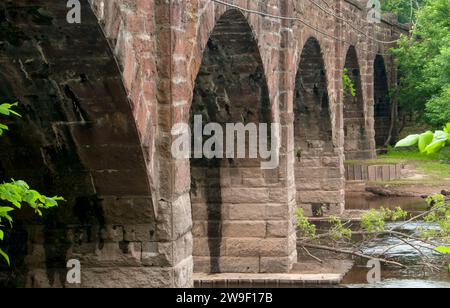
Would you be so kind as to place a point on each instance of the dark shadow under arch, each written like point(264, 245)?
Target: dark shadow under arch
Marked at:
point(313, 133)
point(356, 145)
point(382, 103)
point(76, 127)
point(230, 88)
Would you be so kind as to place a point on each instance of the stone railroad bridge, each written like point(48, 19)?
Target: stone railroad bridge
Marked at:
point(99, 100)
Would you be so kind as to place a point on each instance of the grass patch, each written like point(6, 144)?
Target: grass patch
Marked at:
point(379, 161)
point(414, 154)
point(436, 166)
point(441, 170)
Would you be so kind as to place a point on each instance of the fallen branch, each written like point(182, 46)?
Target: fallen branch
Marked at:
point(375, 234)
point(412, 246)
point(355, 253)
point(311, 255)
point(389, 249)
point(413, 219)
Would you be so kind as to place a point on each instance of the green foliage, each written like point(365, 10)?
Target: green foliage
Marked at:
point(443, 249)
point(409, 141)
point(338, 231)
point(438, 107)
point(347, 83)
point(16, 194)
point(405, 9)
point(304, 227)
point(375, 221)
point(6, 109)
point(424, 61)
point(400, 154)
point(395, 215)
point(440, 216)
point(428, 142)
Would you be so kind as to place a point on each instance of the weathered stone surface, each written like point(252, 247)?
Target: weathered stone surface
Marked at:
point(100, 135)
point(275, 265)
point(278, 228)
point(244, 228)
point(245, 195)
point(243, 247)
point(131, 210)
point(228, 264)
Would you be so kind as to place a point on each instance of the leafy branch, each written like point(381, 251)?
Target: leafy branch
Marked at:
point(339, 237)
point(18, 193)
point(428, 142)
point(6, 109)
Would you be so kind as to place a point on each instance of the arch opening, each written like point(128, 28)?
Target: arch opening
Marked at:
point(229, 196)
point(356, 145)
point(316, 162)
point(382, 103)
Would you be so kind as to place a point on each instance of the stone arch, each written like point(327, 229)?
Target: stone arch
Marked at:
point(211, 14)
point(232, 228)
point(356, 143)
point(382, 102)
point(317, 171)
point(77, 138)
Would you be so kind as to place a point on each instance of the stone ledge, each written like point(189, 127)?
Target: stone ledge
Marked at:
point(203, 280)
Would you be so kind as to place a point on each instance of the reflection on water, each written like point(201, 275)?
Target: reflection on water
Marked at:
point(367, 201)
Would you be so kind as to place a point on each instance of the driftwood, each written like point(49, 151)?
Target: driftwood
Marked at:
point(387, 192)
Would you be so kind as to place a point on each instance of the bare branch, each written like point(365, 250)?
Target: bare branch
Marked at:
point(355, 253)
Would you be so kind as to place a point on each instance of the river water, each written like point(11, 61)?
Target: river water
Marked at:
point(397, 278)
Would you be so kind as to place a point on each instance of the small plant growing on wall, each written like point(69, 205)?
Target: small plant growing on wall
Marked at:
point(15, 194)
point(347, 83)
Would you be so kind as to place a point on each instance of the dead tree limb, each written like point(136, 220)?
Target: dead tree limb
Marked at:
point(355, 253)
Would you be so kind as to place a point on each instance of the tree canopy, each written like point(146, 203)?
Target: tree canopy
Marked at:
point(405, 9)
point(424, 63)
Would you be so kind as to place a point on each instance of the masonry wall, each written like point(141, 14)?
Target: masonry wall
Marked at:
point(234, 227)
point(100, 134)
point(356, 138)
point(317, 163)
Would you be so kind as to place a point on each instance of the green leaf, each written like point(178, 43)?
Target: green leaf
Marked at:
point(5, 209)
point(6, 109)
point(408, 141)
point(440, 135)
point(21, 184)
point(5, 256)
point(2, 128)
point(424, 140)
point(2, 234)
point(447, 128)
point(443, 249)
point(435, 146)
